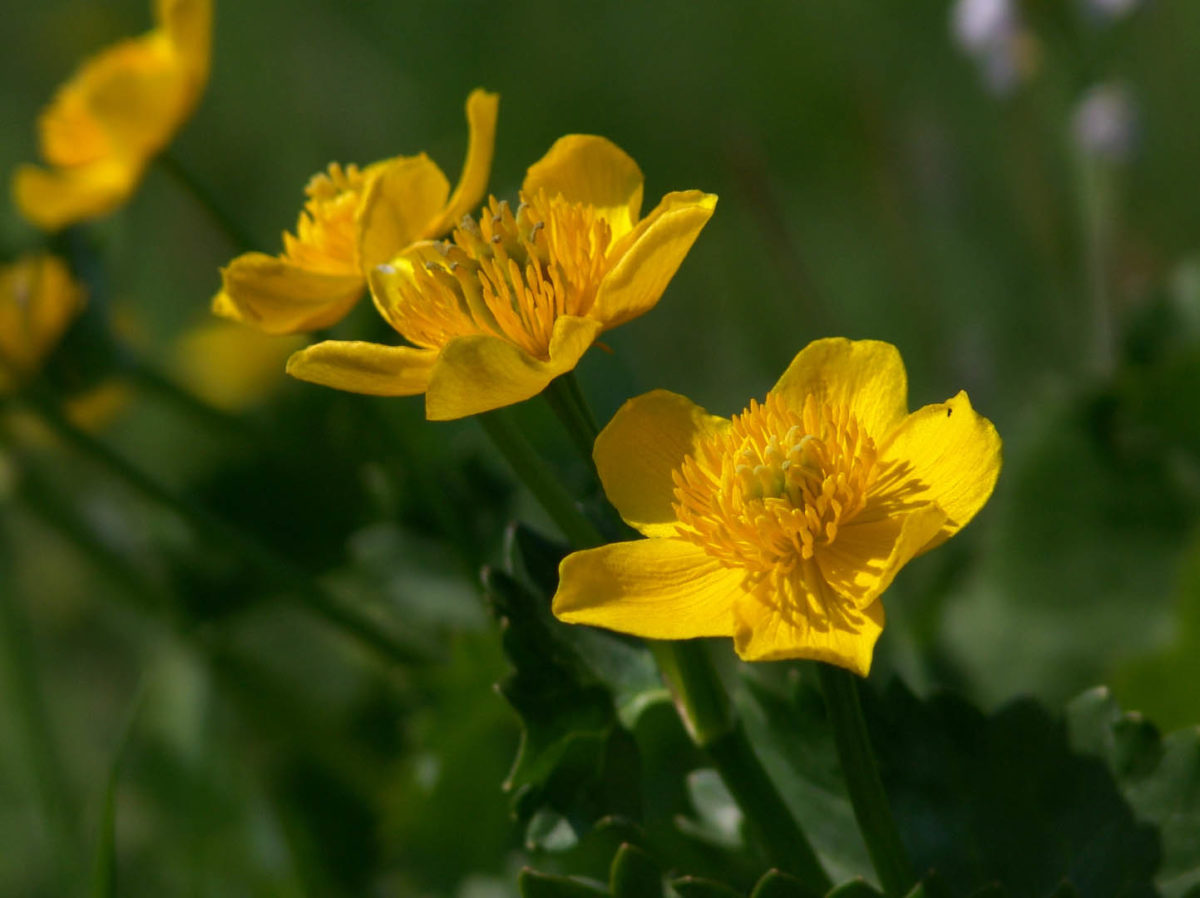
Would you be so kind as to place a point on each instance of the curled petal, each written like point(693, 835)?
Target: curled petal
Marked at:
point(636, 452)
point(656, 588)
point(945, 453)
point(401, 199)
point(482, 109)
point(361, 367)
point(866, 556)
point(53, 198)
point(479, 373)
point(188, 25)
point(655, 250)
point(830, 631)
point(279, 297)
point(591, 170)
point(867, 376)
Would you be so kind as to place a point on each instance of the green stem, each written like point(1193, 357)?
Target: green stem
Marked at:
point(870, 803)
point(154, 381)
point(705, 710)
point(533, 472)
point(238, 542)
point(25, 687)
point(238, 237)
point(566, 400)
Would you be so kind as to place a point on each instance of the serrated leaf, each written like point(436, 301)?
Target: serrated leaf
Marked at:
point(532, 884)
point(777, 884)
point(698, 887)
point(634, 874)
point(1159, 777)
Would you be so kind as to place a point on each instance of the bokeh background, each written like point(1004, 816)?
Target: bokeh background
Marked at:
point(1009, 199)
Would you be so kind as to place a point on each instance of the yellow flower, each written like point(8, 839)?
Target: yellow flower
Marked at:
point(353, 220)
point(121, 107)
point(515, 298)
point(229, 366)
point(783, 526)
point(38, 300)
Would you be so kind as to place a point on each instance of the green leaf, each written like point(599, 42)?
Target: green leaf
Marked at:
point(634, 874)
point(777, 884)
point(698, 887)
point(532, 884)
point(1159, 778)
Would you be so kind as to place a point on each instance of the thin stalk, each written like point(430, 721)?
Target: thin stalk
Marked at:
point(20, 670)
point(704, 707)
point(870, 803)
point(533, 472)
point(566, 400)
point(154, 381)
point(238, 542)
point(1098, 219)
point(237, 236)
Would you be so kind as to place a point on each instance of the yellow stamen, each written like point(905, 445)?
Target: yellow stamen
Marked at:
point(507, 275)
point(768, 492)
point(325, 237)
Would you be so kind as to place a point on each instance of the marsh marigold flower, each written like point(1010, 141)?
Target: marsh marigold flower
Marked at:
point(119, 109)
point(38, 301)
point(783, 526)
point(517, 296)
point(353, 220)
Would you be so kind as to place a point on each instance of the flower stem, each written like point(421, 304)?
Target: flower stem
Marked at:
point(533, 472)
point(567, 401)
point(20, 672)
point(870, 802)
point(238, 542)
point(238, 237)
point(705, 710)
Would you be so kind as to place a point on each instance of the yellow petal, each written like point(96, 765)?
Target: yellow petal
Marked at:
point(479, 373)
point(400, 201)
point(38, 301)
point(636, 452)
point(482, 109)
point(138, 92)
point(838, 633)
point(231, 366)
point(188, 25)
point(654, 588)
point(862, 562)
point(659, 244)
point(360, 367)
point(51, 199)
point(279, 297)
point(945, 453)
point(866, 375)
point(591, 170)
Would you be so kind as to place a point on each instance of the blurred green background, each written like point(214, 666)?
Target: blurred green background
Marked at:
point(874, 181)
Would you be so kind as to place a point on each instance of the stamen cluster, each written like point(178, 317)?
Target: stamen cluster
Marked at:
point(510, 275)
point(768, 491)
point(325, 235)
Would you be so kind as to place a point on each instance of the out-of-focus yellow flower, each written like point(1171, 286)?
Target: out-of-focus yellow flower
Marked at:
point(105, 124)
point(353, 220)
point(38, 300)
point(783, 526)
point(230, 366)
point(515, 299)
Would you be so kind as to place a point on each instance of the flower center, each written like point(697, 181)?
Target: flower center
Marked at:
point(770, 489)
point(325, 239)
point(508, 275)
